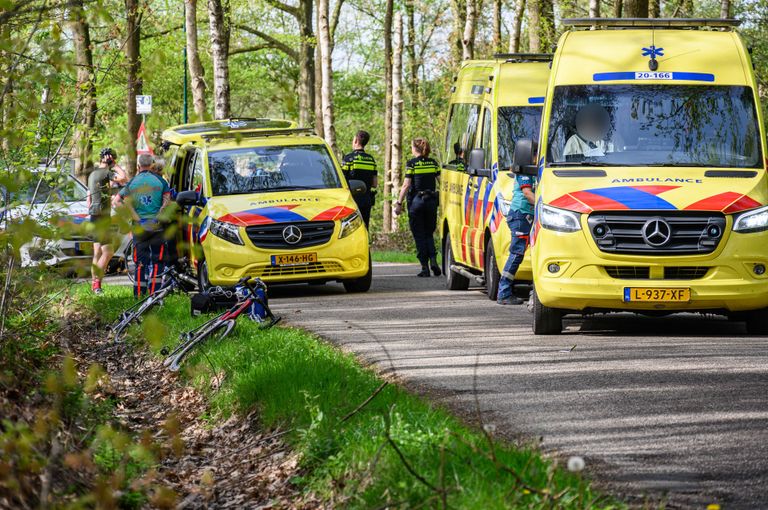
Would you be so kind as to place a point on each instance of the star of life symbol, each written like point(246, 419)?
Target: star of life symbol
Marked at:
point(145, 199)
point(653, 52)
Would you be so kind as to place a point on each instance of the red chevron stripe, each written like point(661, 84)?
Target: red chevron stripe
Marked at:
point(570, 203)
point(716, 202)
point(598, 202)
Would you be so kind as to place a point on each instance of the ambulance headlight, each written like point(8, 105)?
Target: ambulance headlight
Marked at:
point(350, 224)
point(752, 221)
point(226, 231)
point(559, 220)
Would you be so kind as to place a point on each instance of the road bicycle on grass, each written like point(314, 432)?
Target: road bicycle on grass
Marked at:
point(171, 280)
point(251, 296)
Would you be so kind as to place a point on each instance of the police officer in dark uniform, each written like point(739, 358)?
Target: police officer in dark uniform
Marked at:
point(420, 188)
point(361, 166)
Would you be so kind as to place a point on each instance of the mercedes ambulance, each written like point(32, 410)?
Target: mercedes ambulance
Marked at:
point(653, 190)
point(493, 104)
point(266, 199)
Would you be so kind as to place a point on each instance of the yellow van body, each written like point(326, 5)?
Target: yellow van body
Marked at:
point(258, 215)
point(667, 212)
point(492, 103)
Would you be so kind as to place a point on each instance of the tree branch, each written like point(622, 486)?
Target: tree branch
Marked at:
point(335, 15)
point(293, 11)
point(251, 49)
point(274, 43)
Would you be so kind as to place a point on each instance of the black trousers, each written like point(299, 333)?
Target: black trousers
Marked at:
point(365, 204)
point(150, 252)
point(422, 218)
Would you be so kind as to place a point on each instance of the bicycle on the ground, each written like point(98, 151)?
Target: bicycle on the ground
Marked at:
point(172, 280)
point(248, 292)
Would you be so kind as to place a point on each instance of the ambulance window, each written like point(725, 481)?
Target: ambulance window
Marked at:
point(486, 143)
point(515, 123)
point(196, 172)
point(462, 129)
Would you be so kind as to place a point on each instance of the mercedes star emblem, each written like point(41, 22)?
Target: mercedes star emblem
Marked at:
point(292, 234)
point(656, 232)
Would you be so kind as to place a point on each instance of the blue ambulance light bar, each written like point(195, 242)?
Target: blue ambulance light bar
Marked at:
point(658, 23)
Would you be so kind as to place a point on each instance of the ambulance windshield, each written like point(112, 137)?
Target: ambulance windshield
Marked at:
point(264, 169)
point(654, 125)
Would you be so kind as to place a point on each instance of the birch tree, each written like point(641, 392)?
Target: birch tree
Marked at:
point(594, 8)
point(387, 216)
point(496, 22)
point(326, 63)
point(541, 25)
point(725, 9)
point(410, 49)
point(196, 71)
point(219, 35)
point(468, 39)
point(397, 114)
point(517, 23)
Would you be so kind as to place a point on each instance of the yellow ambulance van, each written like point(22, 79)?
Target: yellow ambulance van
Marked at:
point(266, 199)
point(493, 104)
point(652, 175)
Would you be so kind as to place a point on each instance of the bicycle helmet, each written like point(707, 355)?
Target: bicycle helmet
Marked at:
point(107, 151)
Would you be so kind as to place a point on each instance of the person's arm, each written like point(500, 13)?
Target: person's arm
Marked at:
point(529, 196)
point(403, 193)
point(120, 177)
point(124, 199)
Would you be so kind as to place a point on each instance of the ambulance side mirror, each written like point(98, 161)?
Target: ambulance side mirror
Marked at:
point(357, 187)
point(188, 198)
point(523, 159)
point(477, 162)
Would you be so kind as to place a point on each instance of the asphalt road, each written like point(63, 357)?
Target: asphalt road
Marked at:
point(671, 406)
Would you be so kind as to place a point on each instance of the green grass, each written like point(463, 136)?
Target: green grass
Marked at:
point(302, 383)
point(393, 256)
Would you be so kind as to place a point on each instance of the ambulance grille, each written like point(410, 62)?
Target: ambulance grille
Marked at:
point(685, 273)
point(300, 270)
point(270, 237)
point(628, 272)
point(668, 233)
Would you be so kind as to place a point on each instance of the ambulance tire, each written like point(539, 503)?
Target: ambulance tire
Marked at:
point(492, 274)
point(362, 284)
point(453, 280)
point(546, 320)
point(203, 282)
point(757, 322)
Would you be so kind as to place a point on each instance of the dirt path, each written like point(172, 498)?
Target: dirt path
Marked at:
point(234, 464)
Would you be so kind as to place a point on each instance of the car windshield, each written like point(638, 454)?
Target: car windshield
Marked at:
point(515, 123)
point(654, 125)
point(54, 187)
point(263, 169)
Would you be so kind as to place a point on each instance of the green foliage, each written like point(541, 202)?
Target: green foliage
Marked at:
point(353, 455)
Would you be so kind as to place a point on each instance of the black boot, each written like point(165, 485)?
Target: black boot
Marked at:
point(435, 268)
point(424, 272)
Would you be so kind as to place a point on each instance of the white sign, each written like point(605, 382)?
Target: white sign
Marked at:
point(143, 104)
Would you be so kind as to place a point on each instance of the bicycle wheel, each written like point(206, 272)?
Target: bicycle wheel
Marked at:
point(186, 338)
point(218, 332)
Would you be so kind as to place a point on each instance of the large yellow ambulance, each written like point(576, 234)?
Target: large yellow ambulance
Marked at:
point(266, 199)
point(653, 190)
point(493, 104)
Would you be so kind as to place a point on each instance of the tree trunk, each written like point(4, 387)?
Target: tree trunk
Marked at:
point(86, 89)
point(459, 14)
point(387, 217)
point(497, 47)
point(594, 8)
point(410, 49)
point(686, 9)
point(636, 8)
point(397, 112)
point(220, 55)
point(514, 36)
point(617, 8)
point(468, 41)
point(133, 59)
point(306, 64)
point(326, 62)
point(541, 26)
point(319, 128)
point(196, 71)
point(725, 9)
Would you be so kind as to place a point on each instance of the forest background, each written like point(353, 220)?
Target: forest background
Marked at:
point(70, 70)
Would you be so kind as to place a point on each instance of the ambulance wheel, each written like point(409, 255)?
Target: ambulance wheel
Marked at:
point(546, 320)
point(360, 284)
point(492, 274)
point(202, 276)
point(757, 322)
point(453, 280)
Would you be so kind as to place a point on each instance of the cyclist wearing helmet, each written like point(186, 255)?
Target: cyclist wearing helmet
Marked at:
point(108, 160)
point(100, 211)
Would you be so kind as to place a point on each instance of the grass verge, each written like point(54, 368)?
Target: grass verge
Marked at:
point(396, 450)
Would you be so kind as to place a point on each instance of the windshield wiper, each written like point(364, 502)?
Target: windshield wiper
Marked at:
point(583, 163)
point(289, 188)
